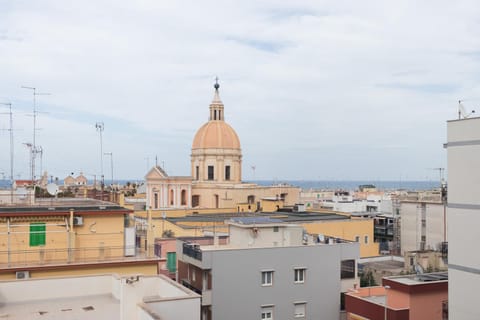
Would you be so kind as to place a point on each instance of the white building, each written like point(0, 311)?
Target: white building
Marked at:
point(463, 155)
point(106, 297)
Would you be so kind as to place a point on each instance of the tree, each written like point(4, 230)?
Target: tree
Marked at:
point(168, 234)
point(367, 279)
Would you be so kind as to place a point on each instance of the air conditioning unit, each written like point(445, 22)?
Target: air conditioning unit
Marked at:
point(22, 275)
point(78, 221)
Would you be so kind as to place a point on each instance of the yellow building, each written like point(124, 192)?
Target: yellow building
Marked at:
point(69, 237)
point(327, 224)
point(216, 174)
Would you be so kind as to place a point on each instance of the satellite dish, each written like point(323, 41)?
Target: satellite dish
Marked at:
point(462, 113)
point(52, 189)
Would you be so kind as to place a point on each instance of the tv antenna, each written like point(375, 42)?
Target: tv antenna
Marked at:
point(462, 113)
point(34, 149)
point(100, 127)
point(11, 147)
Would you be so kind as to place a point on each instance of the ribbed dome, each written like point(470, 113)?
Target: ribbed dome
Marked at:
point(216, 134)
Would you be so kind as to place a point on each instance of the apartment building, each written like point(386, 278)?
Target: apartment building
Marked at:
point(69, 236)
point(268, 270)
point(463, 212)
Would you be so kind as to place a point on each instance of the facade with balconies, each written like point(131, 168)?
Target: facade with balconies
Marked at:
point(267, 269)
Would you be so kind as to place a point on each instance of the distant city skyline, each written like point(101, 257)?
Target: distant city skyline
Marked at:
point(315, 90)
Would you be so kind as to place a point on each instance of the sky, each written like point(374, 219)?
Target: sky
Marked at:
point(316, 90)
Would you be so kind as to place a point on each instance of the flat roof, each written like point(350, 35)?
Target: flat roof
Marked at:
point(420, 278)
point(102, 306)
point(62, 205)
point(276, 217)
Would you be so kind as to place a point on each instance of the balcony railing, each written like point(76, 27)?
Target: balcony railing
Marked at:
point(192, 251)
point(42, 256)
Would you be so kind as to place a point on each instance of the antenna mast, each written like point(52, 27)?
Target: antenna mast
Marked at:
point(100, 127)
point(34, 150)
point(11, 149)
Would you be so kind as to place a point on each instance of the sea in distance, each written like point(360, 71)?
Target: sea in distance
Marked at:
point(316, 184)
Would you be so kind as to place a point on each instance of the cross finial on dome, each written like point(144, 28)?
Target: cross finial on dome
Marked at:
point(216, 85)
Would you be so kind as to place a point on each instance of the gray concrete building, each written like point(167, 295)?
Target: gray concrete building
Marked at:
point(463, 213)
point(268, 270)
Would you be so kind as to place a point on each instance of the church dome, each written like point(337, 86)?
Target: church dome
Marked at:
point(216, 134)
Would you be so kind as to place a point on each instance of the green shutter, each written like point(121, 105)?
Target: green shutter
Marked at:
point(172, 261)
point(37, 234)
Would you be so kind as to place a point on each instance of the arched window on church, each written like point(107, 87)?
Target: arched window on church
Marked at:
point(184, 197)
point(172, 197)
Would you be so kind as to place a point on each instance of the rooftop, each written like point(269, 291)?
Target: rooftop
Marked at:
point(420, 278)
point(95, 297)
point(53, 205)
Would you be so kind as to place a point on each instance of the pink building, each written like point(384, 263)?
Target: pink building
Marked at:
point(411, 297)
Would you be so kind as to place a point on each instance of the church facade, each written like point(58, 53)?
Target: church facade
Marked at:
point(216, 173)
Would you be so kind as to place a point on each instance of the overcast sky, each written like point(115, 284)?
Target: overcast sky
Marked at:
point(330, 90)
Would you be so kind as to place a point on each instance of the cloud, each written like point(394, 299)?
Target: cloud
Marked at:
point(322, 76)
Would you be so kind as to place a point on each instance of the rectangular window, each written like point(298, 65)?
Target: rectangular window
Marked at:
point(210, 173)
point(267, 313)
point(267, 278)
point(366, 239)
point(347, 269)
point(275, 229)
point(37, 234)
point(357, 238)
point(197, 173)
point(299, 275)
point(195, 200)
point(155, 201)
point(300, 310)
point(227, 172)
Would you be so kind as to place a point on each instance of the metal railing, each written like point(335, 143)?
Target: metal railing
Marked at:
point(192, 250)
point(42, 256)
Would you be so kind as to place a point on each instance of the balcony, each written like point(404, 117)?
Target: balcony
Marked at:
point(59, 256)
point(192, 250)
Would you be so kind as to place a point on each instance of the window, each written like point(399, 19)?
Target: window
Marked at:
point(347, 269)
point(195, 200)
point(267, 313)
point(172, 261)
point(299, 275)
point(267, 278)
point(37, 234)
point(184, 197)
point(357, 238)
point(227, 172)
point(366, 239)
point(197, 173)
point(155, 202)
point(210, 173)
point(172, 197)
point(275, 229)
point(299, 311)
